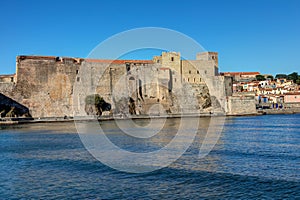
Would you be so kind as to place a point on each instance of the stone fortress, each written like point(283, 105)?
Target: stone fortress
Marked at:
point(57, 86)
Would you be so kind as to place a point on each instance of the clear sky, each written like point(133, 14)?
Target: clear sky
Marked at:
point(250, 35)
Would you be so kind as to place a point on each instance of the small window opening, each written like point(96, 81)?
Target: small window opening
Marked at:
point(197, 71)
point(172, 58)
point(76, 71)
point(78, 79)
point(58, 59)
point(128, 68)
point(190, 71)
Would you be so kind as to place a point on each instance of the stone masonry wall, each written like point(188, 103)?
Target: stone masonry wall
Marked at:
point(241, 105)
point(57, 87)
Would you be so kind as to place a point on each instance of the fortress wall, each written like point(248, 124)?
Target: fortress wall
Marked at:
point(45, 85)
point(7, 88)
point(52, 87)
point(241, 105)
point(116, 81)
point(193, 71)
point(149, 77)
point(203, 72)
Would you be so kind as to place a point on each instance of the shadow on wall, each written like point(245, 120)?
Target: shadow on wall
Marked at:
point(125, 106)
point(95, 105)
point(10, 108)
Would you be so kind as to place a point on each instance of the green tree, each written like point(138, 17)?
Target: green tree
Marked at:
point(94, 99)
point(280, 76)
point(270, 77)
point(293, 76)
point(260, 78)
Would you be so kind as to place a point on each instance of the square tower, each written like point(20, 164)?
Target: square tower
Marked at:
point(171, 60)
point(208, 56)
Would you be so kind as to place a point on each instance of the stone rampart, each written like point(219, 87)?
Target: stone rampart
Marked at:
point(57, 86)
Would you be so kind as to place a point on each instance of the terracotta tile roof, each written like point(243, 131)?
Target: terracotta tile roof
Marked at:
point(120, 61)
point(164, 68)
point(7, 75)
point(22, 57)
point(239, 73)
point(292, 93)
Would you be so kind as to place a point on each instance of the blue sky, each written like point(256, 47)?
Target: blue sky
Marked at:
point(256, 35)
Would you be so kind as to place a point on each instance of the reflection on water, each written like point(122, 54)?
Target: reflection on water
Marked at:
point(255, 157)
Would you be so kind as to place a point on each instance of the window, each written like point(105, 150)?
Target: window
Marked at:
point(194, 80)
point(76, 71)
point(190, 71)
point(188, 79)
point(59, 59)
point(174, 79)
point(200, 79)
point(172, 58)
point(78, 79)
point(197, 71)
point(128, 68)
point(11, 79)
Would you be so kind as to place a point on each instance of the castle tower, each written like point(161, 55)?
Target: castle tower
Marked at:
point(211, 57)
point(171, 60)
point(208, 56)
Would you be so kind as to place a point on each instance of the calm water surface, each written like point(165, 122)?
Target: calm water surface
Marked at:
point(255, 157)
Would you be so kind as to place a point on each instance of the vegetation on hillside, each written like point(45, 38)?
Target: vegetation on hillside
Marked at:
point(292, 76)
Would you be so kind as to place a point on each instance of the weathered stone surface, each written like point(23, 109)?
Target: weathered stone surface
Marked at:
point(57, 87)
point(241, 105)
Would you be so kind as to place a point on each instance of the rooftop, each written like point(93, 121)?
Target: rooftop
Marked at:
point(56, 58)
point(239, 73)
